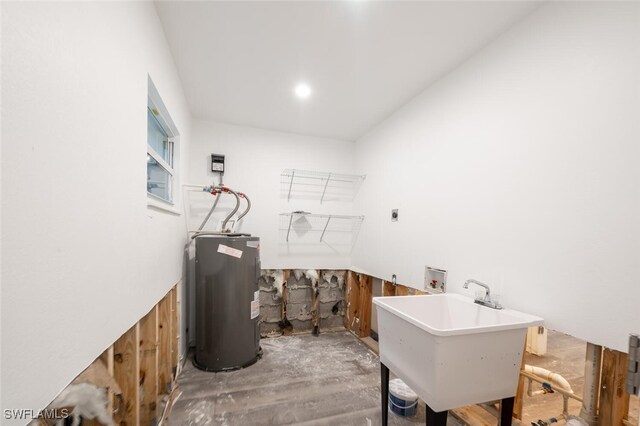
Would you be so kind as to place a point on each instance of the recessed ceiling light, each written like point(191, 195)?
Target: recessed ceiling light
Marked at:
point(303, 91)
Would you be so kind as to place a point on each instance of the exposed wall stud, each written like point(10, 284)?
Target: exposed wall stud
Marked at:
point(614, 400)
point(164, 341)
point(365, 293)
point(127, 374)
point(148, 367)
point(388, 289)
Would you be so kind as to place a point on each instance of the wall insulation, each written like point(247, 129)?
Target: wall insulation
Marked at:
point(298, 301)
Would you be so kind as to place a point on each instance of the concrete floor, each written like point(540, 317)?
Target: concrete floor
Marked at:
point(333, 379)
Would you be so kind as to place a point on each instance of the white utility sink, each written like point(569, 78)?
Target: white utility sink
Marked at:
point(451, 351)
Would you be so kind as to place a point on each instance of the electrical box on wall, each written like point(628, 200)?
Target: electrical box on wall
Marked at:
point(217, 163)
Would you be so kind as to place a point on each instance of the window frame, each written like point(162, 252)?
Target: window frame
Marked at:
point(159, 111)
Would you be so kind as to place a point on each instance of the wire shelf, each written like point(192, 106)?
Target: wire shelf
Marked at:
point(323, 186)
point(299, 225)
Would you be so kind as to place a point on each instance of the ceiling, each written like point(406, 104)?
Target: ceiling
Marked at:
point(239, 62)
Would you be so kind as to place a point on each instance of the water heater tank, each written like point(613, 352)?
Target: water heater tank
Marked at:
point(227, 301)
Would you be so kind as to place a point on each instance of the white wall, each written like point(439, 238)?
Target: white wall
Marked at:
point(520, 169)
point(84, 258)
point(255, 159)
point(1, 69)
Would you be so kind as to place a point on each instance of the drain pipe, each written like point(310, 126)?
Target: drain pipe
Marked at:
point(554, 378)
point(592, 371)
point(560, 383)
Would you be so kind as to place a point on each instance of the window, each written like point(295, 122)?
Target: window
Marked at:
point(161, 141)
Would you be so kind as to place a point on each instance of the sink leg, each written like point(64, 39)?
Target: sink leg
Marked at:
point(436, 419)
point(384, 388)
point(506, 411)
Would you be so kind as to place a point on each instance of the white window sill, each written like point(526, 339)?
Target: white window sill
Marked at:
point(157, 203)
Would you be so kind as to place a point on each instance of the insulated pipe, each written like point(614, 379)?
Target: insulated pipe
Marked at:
point(592, 371)
point(217, 191)
point(235, 209)
point(206, 219)
point(244, 213)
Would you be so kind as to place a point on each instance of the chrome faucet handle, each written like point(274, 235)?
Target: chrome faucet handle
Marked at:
point(487, 300)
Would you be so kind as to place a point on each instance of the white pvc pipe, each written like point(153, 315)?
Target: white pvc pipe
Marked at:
point(538, 392)
point(557, 381)
point(592, 370)
point(552, 377)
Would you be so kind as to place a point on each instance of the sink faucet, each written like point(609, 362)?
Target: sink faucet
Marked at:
point(486, 301)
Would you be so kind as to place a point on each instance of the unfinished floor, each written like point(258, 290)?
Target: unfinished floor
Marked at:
point(333, 379)
point(565, 356)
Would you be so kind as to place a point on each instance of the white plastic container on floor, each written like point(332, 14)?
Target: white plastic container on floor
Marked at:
point(402, 400)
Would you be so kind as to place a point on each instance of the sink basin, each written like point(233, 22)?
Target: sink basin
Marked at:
point(451, 351)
